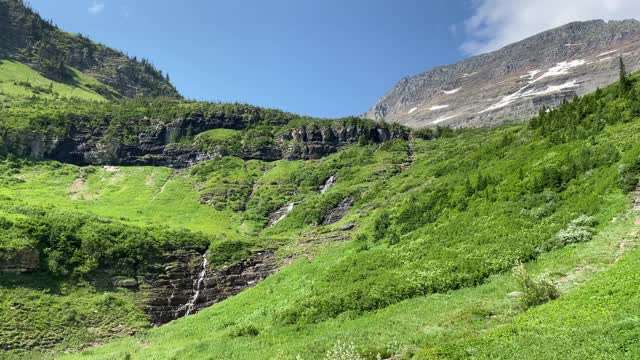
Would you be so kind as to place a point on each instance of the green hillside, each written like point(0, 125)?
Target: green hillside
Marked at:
point(73, 59)
point(18, 80)
point(421, 266)
point(135, 224)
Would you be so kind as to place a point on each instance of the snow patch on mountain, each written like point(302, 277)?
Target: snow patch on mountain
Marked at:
point(412, 110)
point(607, 53)
point(443, 118)
point(531, 74)
point(561, 68)
point(438, 107)
point(551, 89)
point(524, 93)
point(451, 92)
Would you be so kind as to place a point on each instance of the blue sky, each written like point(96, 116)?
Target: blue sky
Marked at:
point(325, 58)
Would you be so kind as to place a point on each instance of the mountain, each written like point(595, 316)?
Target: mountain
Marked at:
point(398, 249)
point(57, 55)
point(161, 228)
point(513, 83)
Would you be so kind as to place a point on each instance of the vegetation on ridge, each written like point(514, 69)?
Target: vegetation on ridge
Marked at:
point(418, 263)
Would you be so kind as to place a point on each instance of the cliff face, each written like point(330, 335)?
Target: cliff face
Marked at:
point(511, 84)
point(188, 284)
point(317, 142)
point(156, 145)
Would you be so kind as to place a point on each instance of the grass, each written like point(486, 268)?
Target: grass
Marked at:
point(138, 195)
point(366, 291)
point(597, 320)
point(403, 328)
point(218, 134)
point(424, 267)
point(19, 80)
point(38, 313)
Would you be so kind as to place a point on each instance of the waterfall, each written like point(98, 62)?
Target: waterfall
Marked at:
point(282, 214)
point(198, 286)
point(327, 185)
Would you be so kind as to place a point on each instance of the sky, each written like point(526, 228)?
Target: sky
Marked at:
point(323, 58)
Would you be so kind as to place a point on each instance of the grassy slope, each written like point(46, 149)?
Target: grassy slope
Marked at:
point(424, 321)
point(428, 263)
point(140, 195)
point(597, 321)
point(405, 327)
point(19, 80)
point(135, 195)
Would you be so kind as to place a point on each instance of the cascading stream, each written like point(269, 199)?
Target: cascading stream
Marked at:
point(198, 286)
point(327, 185)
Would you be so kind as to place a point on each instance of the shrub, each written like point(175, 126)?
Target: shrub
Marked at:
point(628, 175)
point(343, 351)
point(579, 230)
point(534, 291)
point(226, 252)
point(245, 330)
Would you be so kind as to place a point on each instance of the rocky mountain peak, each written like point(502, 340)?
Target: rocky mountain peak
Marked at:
point(512, 83)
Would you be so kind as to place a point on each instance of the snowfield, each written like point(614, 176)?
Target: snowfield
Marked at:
point(441, 119)
point(607, 53)
point(451, 92)
point(561, 68)
point(531, 74)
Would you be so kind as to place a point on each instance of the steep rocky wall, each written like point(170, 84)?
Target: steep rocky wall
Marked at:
point(316, 142)
point(183, 288)
point(179, 284)
point(157, 143)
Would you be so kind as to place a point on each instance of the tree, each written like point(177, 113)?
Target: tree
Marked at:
point(624, 80)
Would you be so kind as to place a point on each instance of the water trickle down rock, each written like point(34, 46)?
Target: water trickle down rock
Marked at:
point(328, 184)
point(281, 214)
point(186, 285)
point(336, 214)
point(198, 286)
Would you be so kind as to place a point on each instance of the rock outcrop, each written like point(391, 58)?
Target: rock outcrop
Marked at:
point(317, 142)
point(24, 261)
point(157, 143)
point(513, 83)
point(336, 214)
point(186, 284)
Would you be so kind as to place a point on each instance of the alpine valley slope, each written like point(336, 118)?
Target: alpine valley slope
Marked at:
point(68, 58)
point(287, 237)
point(511, 84)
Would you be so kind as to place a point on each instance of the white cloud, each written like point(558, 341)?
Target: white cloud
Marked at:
point(96, 8)
point(496, 23)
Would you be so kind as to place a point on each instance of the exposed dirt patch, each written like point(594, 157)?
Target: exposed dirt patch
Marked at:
point(627, 244)
point(79, 190)
point(576, 276)
point(111, 169)
point(163, 187)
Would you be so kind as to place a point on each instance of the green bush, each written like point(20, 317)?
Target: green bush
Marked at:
point(343, 351)
point(534, 291)
point(245, 330)
point(226, 252)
